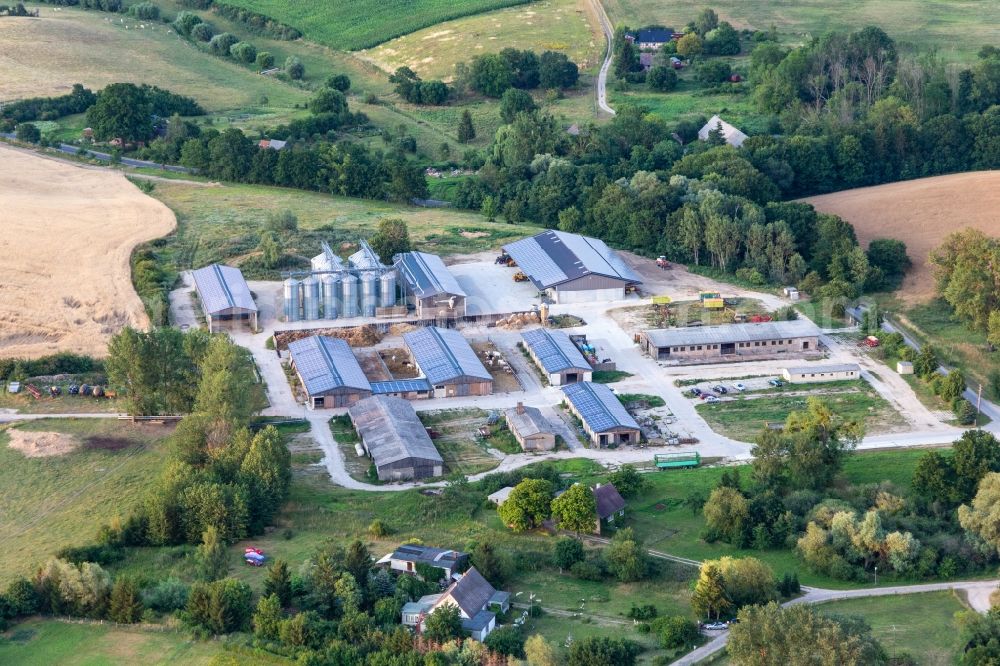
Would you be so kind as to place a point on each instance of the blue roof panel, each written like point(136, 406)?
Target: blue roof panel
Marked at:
point(554, 257)
point(444, 355)
point(599, 406)
point(554, 350)
point(326, 363)
point(400, 386)
point(222, 288)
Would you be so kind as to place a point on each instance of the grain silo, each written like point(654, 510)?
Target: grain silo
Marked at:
point(331, 294)
point(310, 298)
point(349, 296)
point(291, 299)
point(369, 293)
point(387, 284)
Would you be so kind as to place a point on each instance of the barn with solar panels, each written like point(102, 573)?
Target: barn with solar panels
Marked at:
point(448, 362)
point(329, 372)
point(556, 355)
point(573, 268)
point(604, 417)
point(225, 298)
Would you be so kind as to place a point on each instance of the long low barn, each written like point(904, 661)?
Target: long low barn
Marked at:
point(225, 297)
point(557, 356)
point(430, 286)
point(604, 417)
point(706, 344)
point(573, 268)
point(329, 371)
point(836, 372)
point(448, 362)
point(392, 434)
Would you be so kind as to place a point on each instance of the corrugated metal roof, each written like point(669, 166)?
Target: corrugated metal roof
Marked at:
point(598, 406)
point(365, 258)
point(554, 350)
point(326, 363)
point(327, 260)
point(222, 288)
point(427, 275)
point(700, 335)
point(553, 257)
point(391, 431)
point(733, 136)
point(833, 367)
point(400, 386)
point(527, 423)
point(443, 355)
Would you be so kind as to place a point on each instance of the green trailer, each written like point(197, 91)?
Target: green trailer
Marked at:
point(677, 460)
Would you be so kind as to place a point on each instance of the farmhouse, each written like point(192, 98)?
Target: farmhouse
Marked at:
point(430, 287)
point(729, 342)
point(572, 268)
point(733, 136)
point(329, 372)
point(474, 596)
point(531, 430)
point(395, 439)
point(652, 38)
point(556, 355)
point(822, 373)
point(406, 558)
point(225, 297)
point(605, 419)
point(610, 506)
point(448, 362)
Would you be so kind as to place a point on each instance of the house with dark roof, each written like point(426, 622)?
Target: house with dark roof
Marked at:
point(530, 428)
point(429, 286)
point(604, 417)
point(610, 506)
point(329, 372)
point(474, 596)
point(652, 38)
point(573, 268)
point(556, 355)
point(406, 558)
point(225, 297)
point(448, 362)
point(392, 434)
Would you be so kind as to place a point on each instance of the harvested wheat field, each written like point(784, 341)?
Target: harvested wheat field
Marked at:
point(41, 444)
point(920, 213)
point(66, 236)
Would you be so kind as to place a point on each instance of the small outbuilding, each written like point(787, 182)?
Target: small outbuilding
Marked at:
point(329, 372)
point(225, 298)
point(406, 558)
point(610, 506)
point(448, 362)
point(807, 374)
point(904, 367)
point(530, 428)
point(604, 417)
point(430, 287)
point(500, 496)
point(732, 136)
point(556, 355)
point(392, 434)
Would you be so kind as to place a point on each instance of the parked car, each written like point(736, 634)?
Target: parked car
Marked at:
point(696, 392)
point(721, 389)
point(775, 382)
point(715, 626)
point(740, 386)
point(711, 398)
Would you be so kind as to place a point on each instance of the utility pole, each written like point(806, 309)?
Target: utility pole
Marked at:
point(979, 402)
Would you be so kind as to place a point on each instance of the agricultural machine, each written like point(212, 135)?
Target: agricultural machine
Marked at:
point(871, 342)
point(662, 263)
point(520, 277)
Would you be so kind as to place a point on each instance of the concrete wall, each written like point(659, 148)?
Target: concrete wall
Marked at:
point(545, 441)
point(462, 388)
point(561, 295)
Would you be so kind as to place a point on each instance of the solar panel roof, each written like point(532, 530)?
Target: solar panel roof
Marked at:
point(400, 386)
point(427, 275)
point(553, 257)
point(326, 363)
point(444, 355)
point(222, 288)
point(698, 335)
point(554, 350)
point(598, 406)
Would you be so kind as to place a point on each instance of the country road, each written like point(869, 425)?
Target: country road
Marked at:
point(602, 77)
point(106, 157)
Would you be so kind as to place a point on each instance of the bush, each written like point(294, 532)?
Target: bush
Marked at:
point(146, 11)
point(675, 631)
point(166, 596)
point(340, 82)
point(244, 52)
point(644, 612)
point(222, 43)
point(264, 60)
point(713, 71)
point(965, 412)
point(661, 79)
point(28, 133)
point(294, 68)
point(587, 570)
point(185, 22)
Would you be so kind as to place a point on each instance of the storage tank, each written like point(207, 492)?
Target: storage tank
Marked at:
point(387, 286)
point(349, 296)
point(291, 299)
point(310, 298)
point(331, 293)
point(369, 294)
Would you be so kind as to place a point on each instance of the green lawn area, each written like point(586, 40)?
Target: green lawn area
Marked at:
point(59, 501)
point(744, 416)
point(610, 376)
point(688, 101)
point(921, 625)
point(821, 313)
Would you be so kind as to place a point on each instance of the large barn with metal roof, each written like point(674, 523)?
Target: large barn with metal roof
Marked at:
point(573, 268)
point(329, 371)
point(604, 417)
point(225, 297)
point(557, 356)
point(392, 434)
point(430, 287)
point(448, 362)
point(728, 342)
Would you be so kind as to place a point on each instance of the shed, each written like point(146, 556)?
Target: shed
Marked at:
point(225, 297)
point(904, 367)
point(430, 287)
point(530, 428)
point(405, 559)
point(329, 371)
point(500, 496)
point(556, 355)
point(733, 342)
point(448, 362)
point(604, 417)
point(807, 374)
point(395, 439)
point(733, 136)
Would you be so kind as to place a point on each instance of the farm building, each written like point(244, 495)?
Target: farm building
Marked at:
point(500, 496)
point(807, 374)
point(604, 417)
point(430, 286)
point(556, 355)
point(572, 268)
point(651, 38)
point(448, 362)
point(329, 371)
point(733, 136)
point(707, 344)
point(225, 297)
point(409, 389)
point(531, 430)
point(395, 439)
point(610, 506)
point(406, 558)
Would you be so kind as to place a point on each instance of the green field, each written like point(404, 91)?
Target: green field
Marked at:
point(50, 503)
point(956, 29)
point(358, 25)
